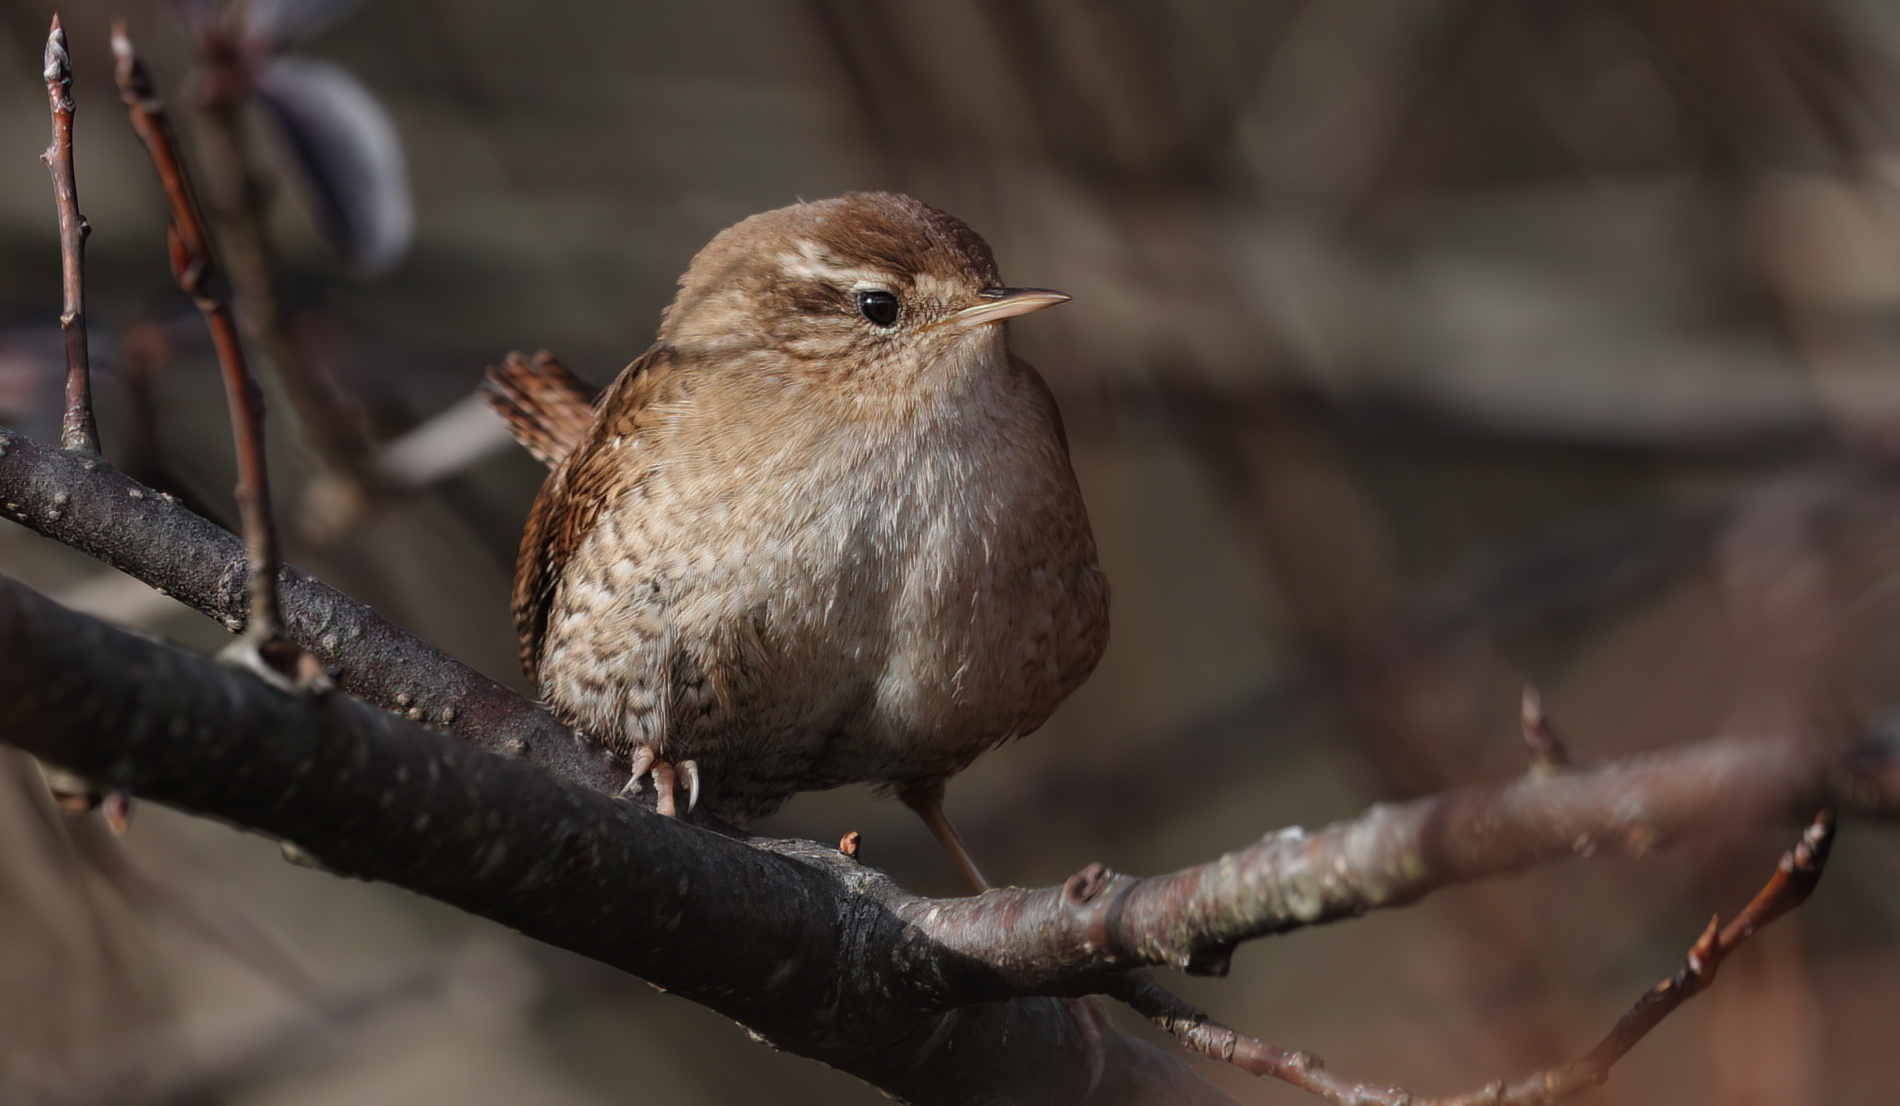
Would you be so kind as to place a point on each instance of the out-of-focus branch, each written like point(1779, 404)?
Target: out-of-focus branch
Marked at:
point(83, 502)
point(346, 483)
point(77, 431)
point(1794, 880)
point(196, 268)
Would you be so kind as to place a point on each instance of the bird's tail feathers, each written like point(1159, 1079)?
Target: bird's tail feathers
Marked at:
point(547, 408)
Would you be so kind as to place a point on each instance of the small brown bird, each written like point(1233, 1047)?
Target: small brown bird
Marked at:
point(824, 531)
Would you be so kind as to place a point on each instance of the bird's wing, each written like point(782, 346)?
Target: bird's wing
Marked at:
point(547, 408)
point(587, 478)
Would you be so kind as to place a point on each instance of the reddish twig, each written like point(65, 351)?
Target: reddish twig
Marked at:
point(77, 431)
point(197, 272)
point(1794, 880)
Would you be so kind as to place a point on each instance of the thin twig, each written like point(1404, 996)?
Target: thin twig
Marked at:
point(1203, 1036)
point(1548, 753)
point(196, 269)
point(1794, 880)
point(77, 431)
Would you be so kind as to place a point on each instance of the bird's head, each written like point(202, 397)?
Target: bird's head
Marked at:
point(868, 283)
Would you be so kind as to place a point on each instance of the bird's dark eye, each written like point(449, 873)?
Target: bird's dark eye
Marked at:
point(879, 307)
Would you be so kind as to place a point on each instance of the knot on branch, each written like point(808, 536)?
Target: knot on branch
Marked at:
point(1095, 897)
point(1086, 884)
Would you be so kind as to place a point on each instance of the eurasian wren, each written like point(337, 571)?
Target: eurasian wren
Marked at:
point(824, 531)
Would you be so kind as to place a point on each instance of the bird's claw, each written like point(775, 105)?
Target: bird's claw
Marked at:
point(690, 768)
point(666, 780)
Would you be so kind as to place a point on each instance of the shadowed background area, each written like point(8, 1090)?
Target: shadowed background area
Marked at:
point(1418, 351)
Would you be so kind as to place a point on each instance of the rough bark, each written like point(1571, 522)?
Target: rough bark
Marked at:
point(853, 970)
point(82, 501)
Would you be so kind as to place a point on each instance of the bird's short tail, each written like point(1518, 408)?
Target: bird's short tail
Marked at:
point(547, 408)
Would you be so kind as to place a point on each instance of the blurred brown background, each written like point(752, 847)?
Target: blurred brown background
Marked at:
point(1418, 350)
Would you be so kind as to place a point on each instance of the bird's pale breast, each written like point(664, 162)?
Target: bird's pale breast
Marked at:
point(878, 589)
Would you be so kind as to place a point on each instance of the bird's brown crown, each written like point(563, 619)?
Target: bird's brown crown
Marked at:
point(791, 280)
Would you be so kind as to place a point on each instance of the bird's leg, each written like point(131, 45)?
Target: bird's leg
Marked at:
point(1091, 1018)
point(927, 801)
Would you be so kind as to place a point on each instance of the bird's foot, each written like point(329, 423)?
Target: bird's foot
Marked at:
point(666, 775)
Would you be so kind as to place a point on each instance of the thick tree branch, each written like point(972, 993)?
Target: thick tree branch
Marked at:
point(83, 502)
point(853, 970)
point(837, 976)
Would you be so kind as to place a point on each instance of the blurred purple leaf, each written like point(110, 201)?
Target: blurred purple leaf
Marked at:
point(283, 22)
point(343, 157)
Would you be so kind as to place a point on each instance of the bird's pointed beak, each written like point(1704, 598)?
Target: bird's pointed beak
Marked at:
point(1007, 303)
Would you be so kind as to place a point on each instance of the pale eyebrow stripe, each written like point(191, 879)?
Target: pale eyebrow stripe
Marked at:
point(808, 261)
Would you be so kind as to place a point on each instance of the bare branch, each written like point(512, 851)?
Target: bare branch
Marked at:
point(836, 976)
point(1203, 1036)
point(83, 502)
point(1794, 879)
point(195, 267)
point(1395, 854)
point(903, 983)
point(369, 795)
point(78, 430)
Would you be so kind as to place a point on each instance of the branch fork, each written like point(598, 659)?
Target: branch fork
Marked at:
point(1796, 876)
